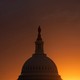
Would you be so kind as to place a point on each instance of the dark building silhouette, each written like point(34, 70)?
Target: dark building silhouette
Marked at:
point(39, 66)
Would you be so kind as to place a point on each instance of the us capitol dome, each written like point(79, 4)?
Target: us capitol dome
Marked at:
point(39, 66)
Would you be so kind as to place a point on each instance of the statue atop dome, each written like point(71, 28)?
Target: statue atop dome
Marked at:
point(39, 43)
point(39, 29)
point(39, 34)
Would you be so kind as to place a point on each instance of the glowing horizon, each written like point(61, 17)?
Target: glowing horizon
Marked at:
point(60, 23)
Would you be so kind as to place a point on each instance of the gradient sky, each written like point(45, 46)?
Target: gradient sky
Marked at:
point(60, 23)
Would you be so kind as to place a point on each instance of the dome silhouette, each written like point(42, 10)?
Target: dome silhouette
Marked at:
point(39, 63)
point(39, 66)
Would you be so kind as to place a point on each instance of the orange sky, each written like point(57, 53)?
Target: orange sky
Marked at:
point(60, 23)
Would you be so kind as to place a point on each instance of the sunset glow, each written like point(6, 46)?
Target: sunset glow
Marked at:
point(60, 23)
